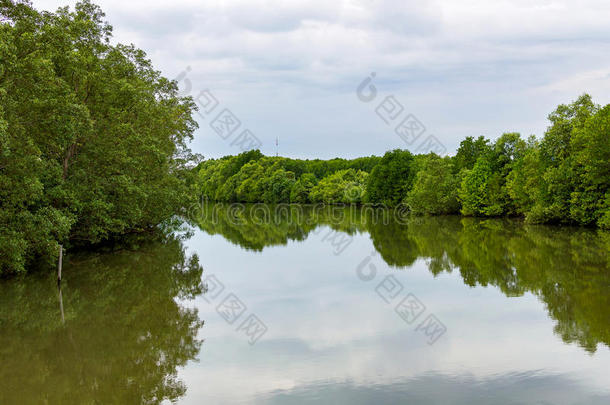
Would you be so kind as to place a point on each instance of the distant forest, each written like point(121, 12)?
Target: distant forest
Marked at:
point(564, 178)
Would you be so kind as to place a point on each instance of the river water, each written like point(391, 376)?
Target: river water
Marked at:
point(345, 307)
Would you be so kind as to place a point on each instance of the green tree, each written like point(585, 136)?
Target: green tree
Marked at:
point(483, 190)
point(480, 189)
point(302, 188)
point(559, 179)
point(277, 185)
point(523, 182)
point(250, 187)
point(391, 179)
point(470, 151)
point(590, 200)
point(435, 188)
point(93, 138)
point(344, 186)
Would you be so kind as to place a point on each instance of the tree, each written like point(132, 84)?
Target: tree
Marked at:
point(93, 138)
point(302, 188)
point(250, 187)
point(277, 185)
point(435, 188)
point(558, 179)
point(479, 190)
point(470, 151)
point(590, 200)
point(391, 179)
point(523, 182)
point(344, 186)
point(507, 149)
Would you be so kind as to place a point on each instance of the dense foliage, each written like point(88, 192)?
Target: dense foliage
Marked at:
point(92, 138)
point(562, 178)
point(392, 178)
point(252, 177)
point(435, 188)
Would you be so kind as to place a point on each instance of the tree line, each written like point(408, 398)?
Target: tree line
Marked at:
point(93, 140)
point(563, 178)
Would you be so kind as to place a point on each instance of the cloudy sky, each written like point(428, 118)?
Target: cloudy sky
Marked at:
point(290, 69)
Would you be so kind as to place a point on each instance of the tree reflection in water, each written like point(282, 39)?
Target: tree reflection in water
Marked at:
point(116, 335)
point(567, 268)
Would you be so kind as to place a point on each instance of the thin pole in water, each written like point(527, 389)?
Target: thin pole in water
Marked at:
point(61, 305)
point(61, 254)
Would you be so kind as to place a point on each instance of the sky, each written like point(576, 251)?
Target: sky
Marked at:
point(290, 70)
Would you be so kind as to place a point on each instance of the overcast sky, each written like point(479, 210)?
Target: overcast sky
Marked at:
point(290, 69)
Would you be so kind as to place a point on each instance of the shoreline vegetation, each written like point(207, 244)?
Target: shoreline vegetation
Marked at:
point(93, 140)
point(94, 147)
point(563, 178)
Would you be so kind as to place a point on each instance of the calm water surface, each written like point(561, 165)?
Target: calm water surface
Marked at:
point(356, 309)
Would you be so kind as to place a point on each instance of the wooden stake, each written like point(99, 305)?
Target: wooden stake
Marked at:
point(61, 253)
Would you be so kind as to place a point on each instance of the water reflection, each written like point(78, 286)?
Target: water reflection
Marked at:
point(508, 389)
point(567, 268)
point(114, 333)
point(119, 330)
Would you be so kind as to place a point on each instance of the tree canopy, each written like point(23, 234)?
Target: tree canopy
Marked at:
point(93, 140)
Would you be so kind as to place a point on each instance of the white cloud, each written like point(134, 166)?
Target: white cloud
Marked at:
point(469, 67)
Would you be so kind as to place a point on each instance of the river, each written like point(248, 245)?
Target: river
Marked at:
point(251, 304)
